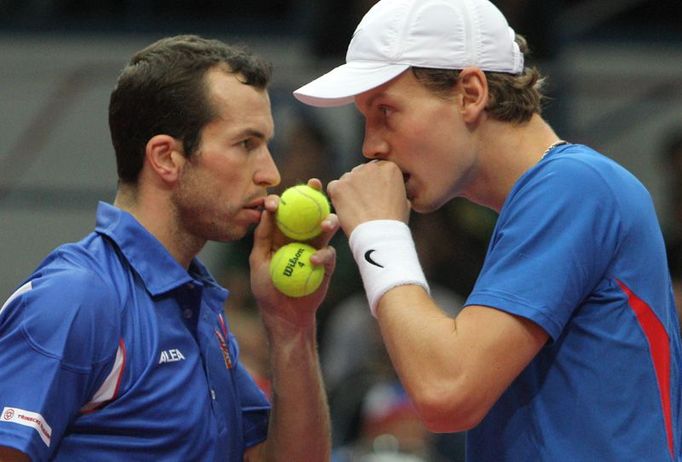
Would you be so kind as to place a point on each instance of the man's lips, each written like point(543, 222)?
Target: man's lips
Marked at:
point(257, 204)
point(256, 207)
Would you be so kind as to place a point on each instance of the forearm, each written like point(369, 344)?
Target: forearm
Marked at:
point(421, 340)
point(417, 335)
point(299, 424)
point(454, 369)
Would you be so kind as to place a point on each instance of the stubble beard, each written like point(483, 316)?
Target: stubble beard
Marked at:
point(198, 215)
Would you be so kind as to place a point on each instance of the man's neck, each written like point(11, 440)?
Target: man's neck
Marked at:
point(506, 152)
point(157, 215)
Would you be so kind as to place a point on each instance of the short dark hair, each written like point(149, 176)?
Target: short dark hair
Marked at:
point(162, 90)
point(513, 98)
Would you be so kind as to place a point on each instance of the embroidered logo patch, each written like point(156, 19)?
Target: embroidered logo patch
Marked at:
point(224, 348)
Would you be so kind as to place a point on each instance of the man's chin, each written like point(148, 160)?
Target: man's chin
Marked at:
point(422, 207)
point(234, 234)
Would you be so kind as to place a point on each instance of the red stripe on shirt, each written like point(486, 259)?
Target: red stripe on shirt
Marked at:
point(659, 346)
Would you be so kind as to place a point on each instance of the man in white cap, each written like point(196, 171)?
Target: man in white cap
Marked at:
point(568, 347)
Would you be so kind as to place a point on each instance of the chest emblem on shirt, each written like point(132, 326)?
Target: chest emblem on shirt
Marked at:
point(223, 347)
point(221, 335)
point(171, 356)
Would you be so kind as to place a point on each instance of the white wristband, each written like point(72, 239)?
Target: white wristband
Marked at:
point(386, 256)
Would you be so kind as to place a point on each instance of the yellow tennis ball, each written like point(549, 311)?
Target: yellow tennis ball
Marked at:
point(291, 270)
point(301, 211)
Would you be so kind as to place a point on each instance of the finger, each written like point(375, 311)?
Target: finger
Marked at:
point(262, 236)
point(330, 223)
point(326, 257)
point(271, 203)
point(315, 183)
point(277, 238)
point(330, 226)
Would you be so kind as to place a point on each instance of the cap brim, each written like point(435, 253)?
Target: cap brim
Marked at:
point(340, 85)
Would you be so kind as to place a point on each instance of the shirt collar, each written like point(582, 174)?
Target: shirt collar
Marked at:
point(159, 271)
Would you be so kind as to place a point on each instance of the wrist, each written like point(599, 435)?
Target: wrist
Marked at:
point(386, 257)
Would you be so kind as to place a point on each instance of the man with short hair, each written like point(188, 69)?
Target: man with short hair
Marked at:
point(116, 347)
point(568, 347)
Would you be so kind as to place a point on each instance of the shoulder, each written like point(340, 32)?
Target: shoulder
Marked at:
point(578, 180)
point(71, 280)
point(66, 310)
point(582, 169)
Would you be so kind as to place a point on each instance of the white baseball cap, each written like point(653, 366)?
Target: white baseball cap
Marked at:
point(395, 35)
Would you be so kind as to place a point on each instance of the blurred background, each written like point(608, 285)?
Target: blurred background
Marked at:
point(615, 73)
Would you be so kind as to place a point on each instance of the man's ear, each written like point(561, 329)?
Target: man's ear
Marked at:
point(474, 93)
point(163, 155)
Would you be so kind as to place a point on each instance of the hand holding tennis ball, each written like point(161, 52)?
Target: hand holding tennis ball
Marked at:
point(301, 211)
point(299, 216)
point(291, 270)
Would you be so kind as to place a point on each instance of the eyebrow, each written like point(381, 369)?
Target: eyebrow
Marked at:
point(250, 132)
point(373, 98)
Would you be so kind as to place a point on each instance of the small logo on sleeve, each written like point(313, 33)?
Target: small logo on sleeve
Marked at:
point(28, 419)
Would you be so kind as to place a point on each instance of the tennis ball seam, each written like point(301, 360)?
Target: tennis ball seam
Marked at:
point(314, 202)
point(313, 198)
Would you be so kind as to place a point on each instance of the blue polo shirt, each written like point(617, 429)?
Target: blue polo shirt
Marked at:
point(577, 249)
point(112, 351)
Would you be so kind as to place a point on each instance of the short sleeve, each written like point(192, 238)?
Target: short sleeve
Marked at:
point(58, 339)
point(554, 240)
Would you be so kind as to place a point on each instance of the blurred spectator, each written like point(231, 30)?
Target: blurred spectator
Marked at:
point(390, 429)
point(355, 362)
point(304, 151)
point(454, 241)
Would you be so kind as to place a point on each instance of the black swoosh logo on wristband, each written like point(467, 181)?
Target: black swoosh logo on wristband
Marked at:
point(368, 258)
